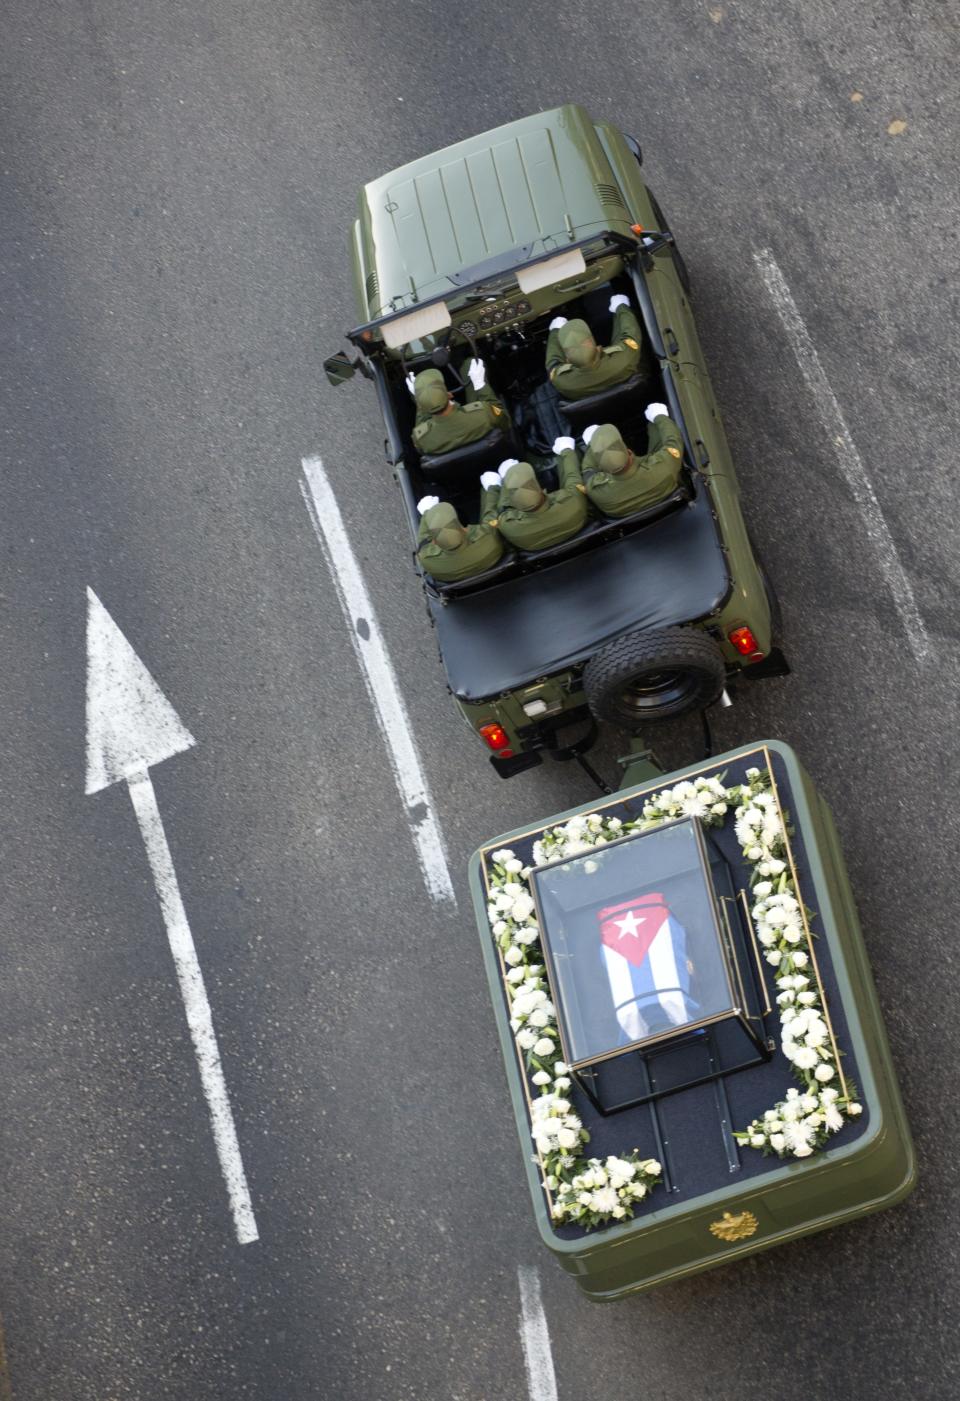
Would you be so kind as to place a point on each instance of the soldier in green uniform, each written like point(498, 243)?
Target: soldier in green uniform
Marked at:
point(532, 518)
point(617, 481)
point(450, 550)
point(577, 366)
point(443, 424)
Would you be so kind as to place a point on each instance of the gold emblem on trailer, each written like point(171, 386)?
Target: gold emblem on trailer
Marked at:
point(737, 1227)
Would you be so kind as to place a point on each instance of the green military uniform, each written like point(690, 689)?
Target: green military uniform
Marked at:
point(618, 482)
point(442, 424)
point(577, 366)
point(449, 550)
point(531, 518)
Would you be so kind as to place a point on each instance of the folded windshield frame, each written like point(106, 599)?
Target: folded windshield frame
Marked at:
point(485, 283)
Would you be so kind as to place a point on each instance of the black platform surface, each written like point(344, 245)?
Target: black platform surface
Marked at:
point(696, 1156)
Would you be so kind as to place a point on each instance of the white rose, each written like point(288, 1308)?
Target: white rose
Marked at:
point(542, 1077)
point(800, 959)
point(752, 774)
point(515, 975)
point(522, 907)
point(526, 1039)
point(854, 1109)
point(513, 956)
point(802, 1150)
point(651, 1167)
point(513, 866)
point(824, 1072)
point(762, 888)
point(527, 935)
point(777, 1142)
point(544, 1047)
point(757, 1140)
point(561, 1082)
point(754, 853)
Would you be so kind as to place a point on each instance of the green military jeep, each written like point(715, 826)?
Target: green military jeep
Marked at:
point(473, 250)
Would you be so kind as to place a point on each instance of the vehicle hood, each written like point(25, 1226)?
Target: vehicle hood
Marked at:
point(546, 177)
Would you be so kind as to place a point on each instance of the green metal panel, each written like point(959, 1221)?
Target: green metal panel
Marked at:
point(545, 177)
point(876, 1170)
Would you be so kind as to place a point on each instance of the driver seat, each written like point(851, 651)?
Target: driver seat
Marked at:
point(460, 467)
point(618, 400)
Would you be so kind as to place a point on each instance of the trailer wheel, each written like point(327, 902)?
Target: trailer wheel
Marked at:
point(654, 675)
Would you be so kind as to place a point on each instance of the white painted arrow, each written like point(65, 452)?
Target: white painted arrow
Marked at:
point(130, 726)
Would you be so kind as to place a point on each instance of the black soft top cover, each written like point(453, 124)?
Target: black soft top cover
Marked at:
point(508, 636)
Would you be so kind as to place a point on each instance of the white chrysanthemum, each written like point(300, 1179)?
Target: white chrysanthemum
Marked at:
point(526, 1039)
point(777, 1142)
point(805, 1057)
point(824, 1072)
point(544, 1047)
point(832, 1118)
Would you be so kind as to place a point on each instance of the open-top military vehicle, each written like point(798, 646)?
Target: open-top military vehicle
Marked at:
point(663, 966)
point(473, 250)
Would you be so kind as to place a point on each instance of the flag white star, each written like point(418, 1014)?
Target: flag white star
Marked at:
point(629, 925)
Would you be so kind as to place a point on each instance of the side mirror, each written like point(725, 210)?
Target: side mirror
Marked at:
point(339, 368)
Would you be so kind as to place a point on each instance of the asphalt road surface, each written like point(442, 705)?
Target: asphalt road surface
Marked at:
point(178, 182)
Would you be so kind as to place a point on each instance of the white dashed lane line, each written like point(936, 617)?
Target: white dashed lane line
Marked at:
point(848, 458)
point(535, 1337)
point(380, 680)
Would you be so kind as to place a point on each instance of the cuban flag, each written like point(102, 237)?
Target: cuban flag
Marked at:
point(644, 949)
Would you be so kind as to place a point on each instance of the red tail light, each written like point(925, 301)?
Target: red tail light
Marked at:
point(746, 644)
point(496, 737)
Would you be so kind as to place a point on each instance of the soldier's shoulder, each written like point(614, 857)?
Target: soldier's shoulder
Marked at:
point(476, 407)
point(563, 369)
point(421, 431)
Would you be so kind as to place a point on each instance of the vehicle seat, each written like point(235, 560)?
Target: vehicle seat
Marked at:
point(604, 406)
point(461, 467)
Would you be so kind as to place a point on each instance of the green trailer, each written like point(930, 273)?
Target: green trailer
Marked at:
point(702, 1153)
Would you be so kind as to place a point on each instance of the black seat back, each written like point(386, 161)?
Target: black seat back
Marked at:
point(606, 405)
point(459, 469)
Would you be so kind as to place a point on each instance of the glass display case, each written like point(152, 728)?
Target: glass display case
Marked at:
point(653, 966)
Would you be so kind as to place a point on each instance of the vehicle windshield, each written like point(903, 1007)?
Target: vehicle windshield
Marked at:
point(490, 279)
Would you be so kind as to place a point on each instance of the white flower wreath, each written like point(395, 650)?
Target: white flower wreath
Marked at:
point(598, 1191)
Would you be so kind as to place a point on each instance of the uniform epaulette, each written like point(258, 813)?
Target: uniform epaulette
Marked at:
point(472, 408)
point(420, 430)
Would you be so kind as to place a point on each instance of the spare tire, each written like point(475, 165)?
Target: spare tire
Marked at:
point(653, 675)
